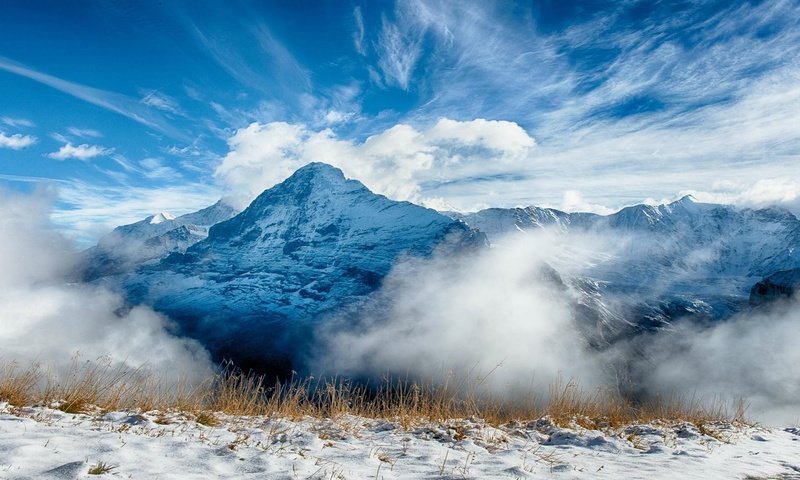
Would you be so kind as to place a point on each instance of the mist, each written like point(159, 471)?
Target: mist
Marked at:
point(48, 319)
point(503, 318)
point(753, 356)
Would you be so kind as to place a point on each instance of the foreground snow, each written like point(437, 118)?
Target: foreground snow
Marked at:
point(46, 443)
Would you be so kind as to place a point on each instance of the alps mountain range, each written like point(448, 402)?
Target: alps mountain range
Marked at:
point(253, 285)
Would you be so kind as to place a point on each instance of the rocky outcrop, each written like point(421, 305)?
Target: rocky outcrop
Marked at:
point(779, 285)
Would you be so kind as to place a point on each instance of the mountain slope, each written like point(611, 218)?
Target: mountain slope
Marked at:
point(311, 245)
point(683, 258)
point(155, 237)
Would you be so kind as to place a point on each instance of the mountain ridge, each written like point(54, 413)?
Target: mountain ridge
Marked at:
point(309, 246)
point(319, 242)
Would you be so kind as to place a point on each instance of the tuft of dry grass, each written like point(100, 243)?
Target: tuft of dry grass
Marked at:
point(91, 385)
point(17, 386)
point(101, 468)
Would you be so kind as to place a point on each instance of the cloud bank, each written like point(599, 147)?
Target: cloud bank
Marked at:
point(398, 162)
point(753, 356)
point(500, 315)
point(48, 318)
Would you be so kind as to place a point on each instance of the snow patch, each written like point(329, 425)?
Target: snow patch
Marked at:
point(161, 218)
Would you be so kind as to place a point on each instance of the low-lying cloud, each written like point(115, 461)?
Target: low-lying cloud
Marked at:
point(753, 356)
point(500, 313)
point(48, 319)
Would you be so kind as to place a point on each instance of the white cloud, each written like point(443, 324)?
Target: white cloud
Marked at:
point(86, 211)
point(400, 46)
point(574, 202)
point(17, 122)
point(84, 132)
point(493, 313)
point(398, 162)
point(760, 193)
point(358, 36)
point(115, 102)
point(156, 99)
point(186, 151)
point(80, 152)
point(752, 356)
point(494, 134)
point(47, 318)
point(233, 52)
point(155, 168)
point(16, 141)
point(335, 116)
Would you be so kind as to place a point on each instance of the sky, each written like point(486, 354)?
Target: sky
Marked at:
point(118, 110)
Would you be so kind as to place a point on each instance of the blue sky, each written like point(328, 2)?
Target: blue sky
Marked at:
point(122, 109)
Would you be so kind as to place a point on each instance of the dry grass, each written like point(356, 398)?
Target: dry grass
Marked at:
point(16, 385)
point(101, 468)
point(98, 386)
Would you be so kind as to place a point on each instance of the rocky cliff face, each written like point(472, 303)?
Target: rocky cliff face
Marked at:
point(779, 285)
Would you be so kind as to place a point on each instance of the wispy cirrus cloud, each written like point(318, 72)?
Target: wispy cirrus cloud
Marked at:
point(85, 210)
point(79, 152)
point(115, 102)
point(17, 122)
point(84, 132)
point(154, 168)
point(400, 43)
point(358, 35)
point(16, 141)
point(623, 107)
point(161, 101)
point(269, 69)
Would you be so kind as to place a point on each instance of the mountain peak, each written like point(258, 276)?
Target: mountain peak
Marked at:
point(314, 180)
point(686, 200)
point(318, 170)
point(160, 218)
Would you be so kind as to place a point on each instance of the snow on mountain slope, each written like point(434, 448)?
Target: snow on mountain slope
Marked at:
point(712, 240)
point(310, 245)
point(666, 261)
point(161, 217)
point(251, 286)
point(153, 238)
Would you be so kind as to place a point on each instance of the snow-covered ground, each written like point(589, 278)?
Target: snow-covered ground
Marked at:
point(45, 443)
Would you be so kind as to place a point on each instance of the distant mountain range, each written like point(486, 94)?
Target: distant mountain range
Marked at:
point(663, 262)
point(252, 285)
point(130, 246)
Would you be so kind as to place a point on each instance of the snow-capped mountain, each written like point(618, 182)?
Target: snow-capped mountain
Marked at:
point(311, 245)
point(251, 286)
point(151, 239)
point(666, 261)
